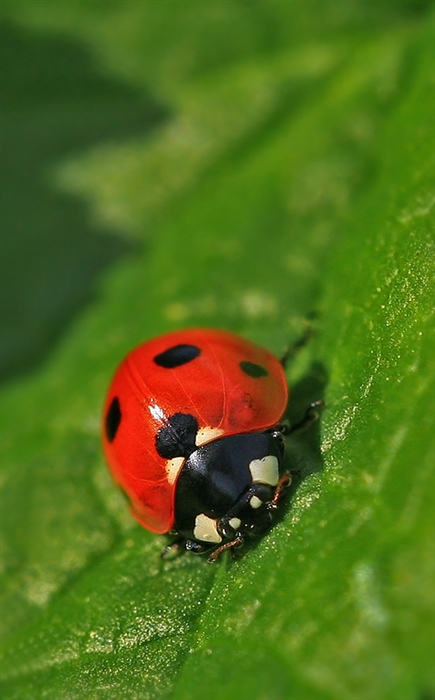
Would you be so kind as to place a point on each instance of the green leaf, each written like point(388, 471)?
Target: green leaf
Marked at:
point(293, 173)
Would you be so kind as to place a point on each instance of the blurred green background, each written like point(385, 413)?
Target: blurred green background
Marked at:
point(237, 164)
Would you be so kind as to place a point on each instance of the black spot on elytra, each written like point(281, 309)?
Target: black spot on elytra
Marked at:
point(253, 370)
point(177, 437)
point(113, 419)
point(176, 356)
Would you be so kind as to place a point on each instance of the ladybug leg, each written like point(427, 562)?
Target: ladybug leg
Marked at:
point(282, 484)
point(196, 547)
point(238, 541)
point(176, 548)
point(173, 549)
point(225, 526)
point(311, 415)
point(253, 502)
point(294, 348)
point(259, 494)
point(277, 433)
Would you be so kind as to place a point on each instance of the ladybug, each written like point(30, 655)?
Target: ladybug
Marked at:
point(192, 435)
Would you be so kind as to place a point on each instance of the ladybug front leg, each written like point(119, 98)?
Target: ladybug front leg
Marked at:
point(248, 514)
point(262, 494)
point(238, 541)
point(282, 484)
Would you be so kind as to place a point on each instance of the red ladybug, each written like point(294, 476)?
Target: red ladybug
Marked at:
point(191, 434)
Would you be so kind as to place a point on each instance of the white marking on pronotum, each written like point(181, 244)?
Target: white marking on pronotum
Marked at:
point(255, 502)
point(235, 523)
point(207, 434)
point(265, 470)
point(173, 468)
point(205, 529)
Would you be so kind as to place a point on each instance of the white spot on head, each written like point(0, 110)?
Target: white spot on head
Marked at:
point(255, 502)
point(207, 434)
point(235, 523)
point(173, 468)
point(205, 529)
point(265, 470)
